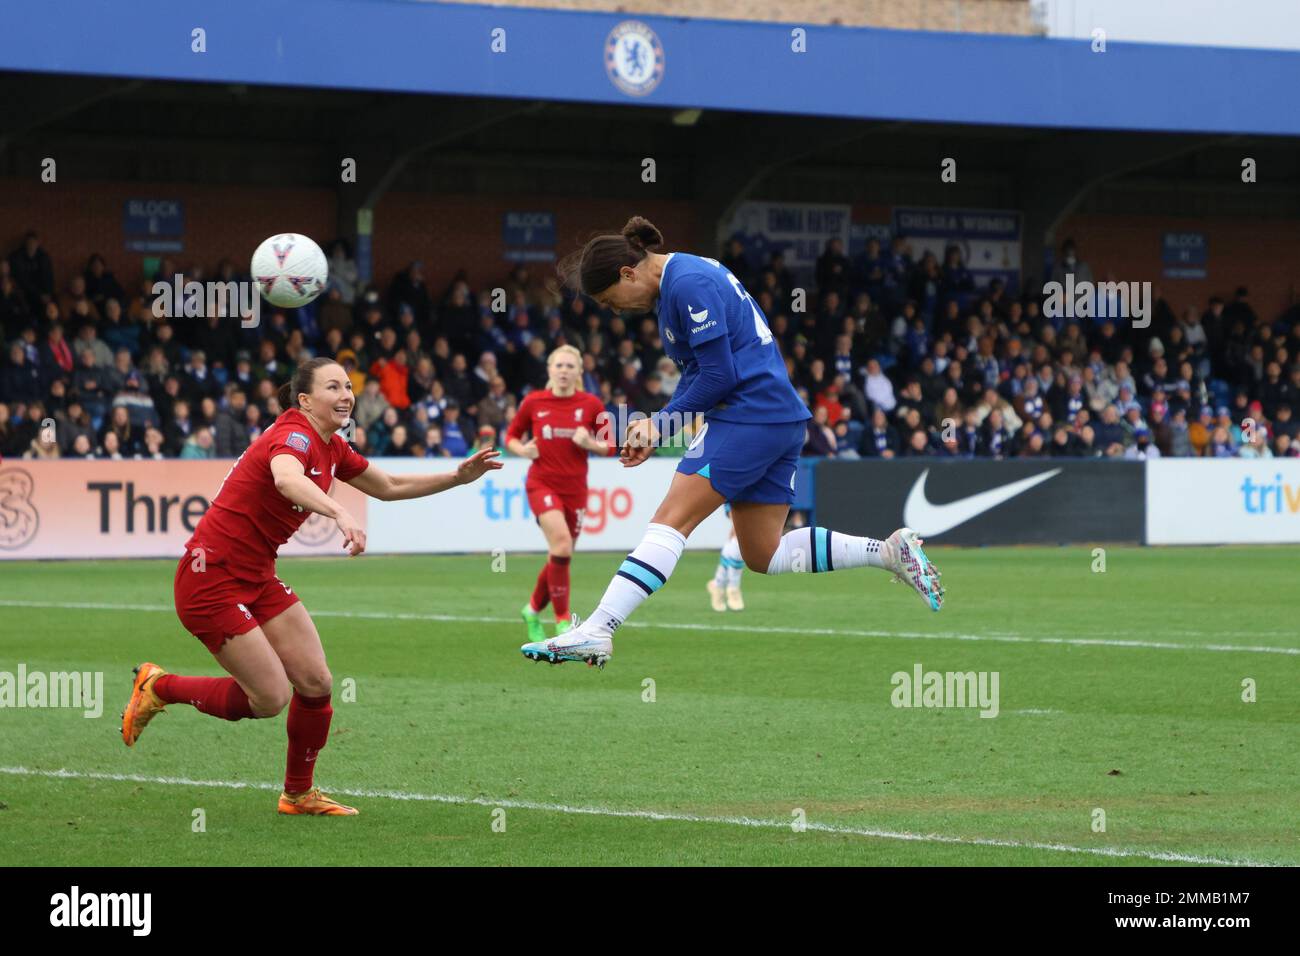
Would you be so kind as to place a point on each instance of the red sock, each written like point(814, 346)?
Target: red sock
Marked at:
point(309, 729)
point(542, 590)
point(219, 696)
point(559, 582)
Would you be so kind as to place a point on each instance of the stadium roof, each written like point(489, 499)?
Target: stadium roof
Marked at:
point(845, 72)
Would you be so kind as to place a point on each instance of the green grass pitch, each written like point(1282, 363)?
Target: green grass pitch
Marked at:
point(1120, 692)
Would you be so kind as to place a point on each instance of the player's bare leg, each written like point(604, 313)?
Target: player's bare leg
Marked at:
point(256, 687)
point(293, 636)
point(724, 587)
point(690, 499)
point(553, 580)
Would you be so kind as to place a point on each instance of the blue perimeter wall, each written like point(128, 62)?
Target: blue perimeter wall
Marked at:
point(847, 72)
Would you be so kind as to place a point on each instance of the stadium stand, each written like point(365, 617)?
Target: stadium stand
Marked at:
point(895, 356)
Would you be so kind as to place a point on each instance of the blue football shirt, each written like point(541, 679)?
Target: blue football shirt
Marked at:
point(700, 300)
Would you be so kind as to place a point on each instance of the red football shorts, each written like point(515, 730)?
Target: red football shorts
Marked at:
point(574, 505)
point(214, 607)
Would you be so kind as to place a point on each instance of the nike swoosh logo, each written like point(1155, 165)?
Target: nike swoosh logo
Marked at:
point(315, 471)
point(930, 519)
point(542, 414)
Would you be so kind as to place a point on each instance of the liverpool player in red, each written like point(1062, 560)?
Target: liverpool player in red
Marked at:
point(227, 593)
point(564, 423)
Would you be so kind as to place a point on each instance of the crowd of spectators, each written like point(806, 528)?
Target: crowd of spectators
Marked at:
point(895, 355)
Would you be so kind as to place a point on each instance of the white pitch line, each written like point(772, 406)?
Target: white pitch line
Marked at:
point(654, 815)
point(993, 637)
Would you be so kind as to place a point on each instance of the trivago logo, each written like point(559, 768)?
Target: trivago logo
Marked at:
point(1274, 498)
point(511, 504)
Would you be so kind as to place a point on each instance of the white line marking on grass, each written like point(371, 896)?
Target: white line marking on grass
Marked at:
point(994, 637)
point(1036, 711)
point(655, 815)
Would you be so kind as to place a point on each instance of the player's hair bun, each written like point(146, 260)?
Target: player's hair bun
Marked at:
point(596, 266)
point(642, 234)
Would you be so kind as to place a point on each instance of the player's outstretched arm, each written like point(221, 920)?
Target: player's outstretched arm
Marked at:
point(377, 483)
point(291, 481)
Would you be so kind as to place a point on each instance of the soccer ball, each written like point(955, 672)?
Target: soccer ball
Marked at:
point(290, 270)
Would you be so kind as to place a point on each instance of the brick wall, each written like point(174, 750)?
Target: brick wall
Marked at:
point(446, 232)
point(77, 219)
point(972, 16)
point(1259, 254)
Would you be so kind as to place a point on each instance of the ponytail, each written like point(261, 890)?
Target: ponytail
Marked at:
point(596, 266)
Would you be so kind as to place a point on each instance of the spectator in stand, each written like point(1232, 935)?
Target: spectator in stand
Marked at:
point(734, 260)
point(13, 307)
point(343, 271)
point(833, 269)
point(180, 429)
point(20, 380)
point(127, 440)
point(8, 433)
point(394, 376)
point(879, 389)
point(996, 440)
point(1255, 443)
point(1220, 444)
point(454, 440)
point(408, 289)
point(956, 281)
point(881, 440)
point(459, 317)
point(652, 398)
point(433, 444)
point(1071, 264)
point(197, 379)
point(100, 284)
point(33, 271)
point(199, 445)
point(494, 406)
point(821, 439)
point(230, 433)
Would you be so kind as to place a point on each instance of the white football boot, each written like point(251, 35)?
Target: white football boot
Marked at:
point(735, 601)
point(717, 597)
point(573, 645)
point(901, 553)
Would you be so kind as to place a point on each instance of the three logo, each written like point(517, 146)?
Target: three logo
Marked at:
point(19, 519)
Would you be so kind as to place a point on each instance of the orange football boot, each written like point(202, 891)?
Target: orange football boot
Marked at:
point(144, 704)
point(314, 803)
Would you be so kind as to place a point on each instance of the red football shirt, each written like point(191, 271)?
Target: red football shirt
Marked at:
point(560, 464)
point(249, 519)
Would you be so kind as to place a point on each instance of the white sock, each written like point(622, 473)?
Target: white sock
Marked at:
point(732, 562)
point(819, 549)
point(642, 572)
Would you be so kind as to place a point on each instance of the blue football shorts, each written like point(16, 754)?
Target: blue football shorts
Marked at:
point(748, 462)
